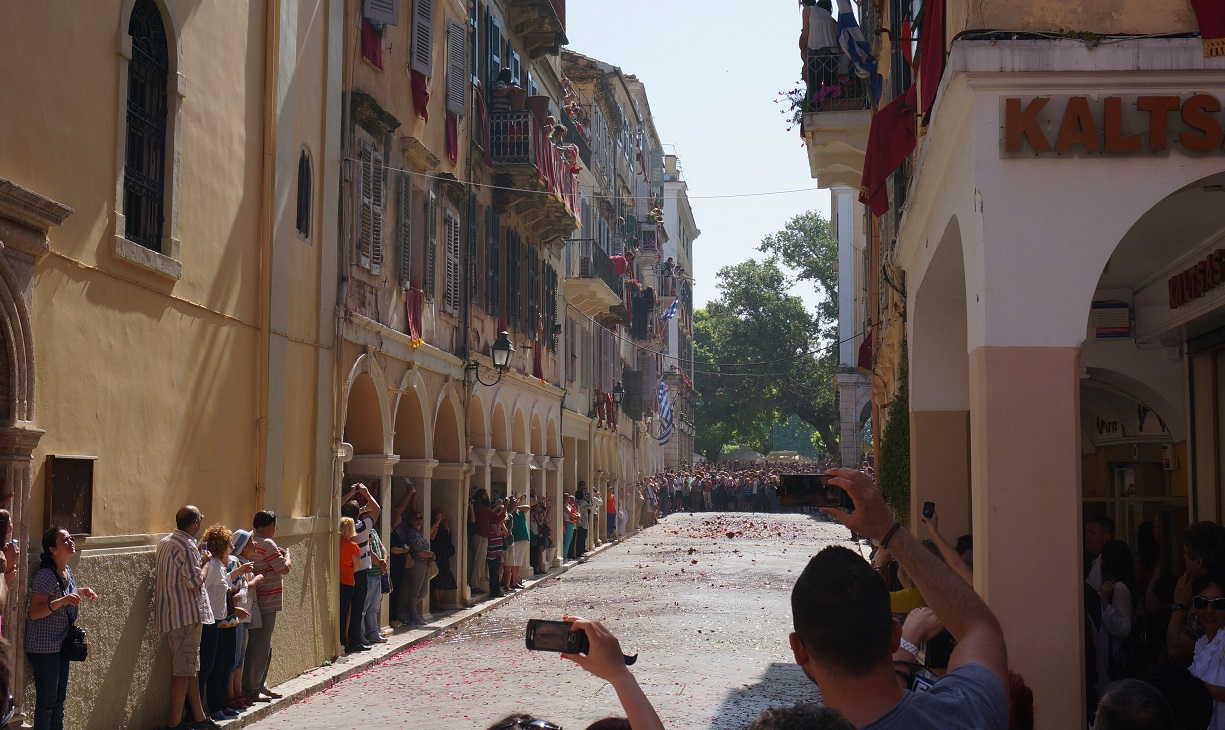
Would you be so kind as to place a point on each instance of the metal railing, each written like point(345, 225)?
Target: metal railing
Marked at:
point(585, 260)
point(648, 236)
point(833, 85)
point(517, 140)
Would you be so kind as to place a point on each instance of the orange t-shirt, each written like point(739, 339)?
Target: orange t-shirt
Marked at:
point(348, 551)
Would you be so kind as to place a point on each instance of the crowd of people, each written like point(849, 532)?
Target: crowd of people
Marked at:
point(719, 486)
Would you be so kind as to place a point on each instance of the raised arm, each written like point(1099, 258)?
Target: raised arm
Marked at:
point(947, 551)
point(605, 660)
point(980, 640)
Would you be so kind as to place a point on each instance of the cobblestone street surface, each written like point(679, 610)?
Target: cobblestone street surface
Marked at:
point(704, 599)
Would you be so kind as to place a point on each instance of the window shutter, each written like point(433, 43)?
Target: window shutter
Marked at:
point(493, 263)
point(516, 67)
point(382, 11)
point(457, 67)
point(606, 361)
point(451, 273)
point(366, 207)
point(493, 39)
point(431, 247)
point(406, 207)
point(423, 37)
point(474, 276)
point(585, 359)
point(376, 218)
point(533, 292)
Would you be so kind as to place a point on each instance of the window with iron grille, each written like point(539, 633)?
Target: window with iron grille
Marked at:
point(304, 195)
point(144, 170)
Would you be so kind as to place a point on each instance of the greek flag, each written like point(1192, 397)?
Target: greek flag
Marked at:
point(850, 37)
point(671, 312)
point(665, 412)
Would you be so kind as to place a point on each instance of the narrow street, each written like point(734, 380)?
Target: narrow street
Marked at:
point(703, 599)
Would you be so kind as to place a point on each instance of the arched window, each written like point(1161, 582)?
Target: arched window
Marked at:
point(145, 166)
point(304, 195)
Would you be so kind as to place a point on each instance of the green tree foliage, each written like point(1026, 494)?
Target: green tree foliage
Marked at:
point(893, 472)
point(775, 356)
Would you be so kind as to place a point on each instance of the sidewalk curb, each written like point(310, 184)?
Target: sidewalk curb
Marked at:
point(318, 679)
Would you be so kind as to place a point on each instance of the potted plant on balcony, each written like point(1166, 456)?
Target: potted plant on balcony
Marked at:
point(539, 106)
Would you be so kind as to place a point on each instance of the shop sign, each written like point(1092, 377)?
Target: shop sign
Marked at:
point(1197, 280)
point(1064, 126)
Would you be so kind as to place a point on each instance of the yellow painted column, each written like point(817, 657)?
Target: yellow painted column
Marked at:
point(1025, 465)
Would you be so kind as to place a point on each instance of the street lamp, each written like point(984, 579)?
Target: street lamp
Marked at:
point(618, 394)
point(501, 354)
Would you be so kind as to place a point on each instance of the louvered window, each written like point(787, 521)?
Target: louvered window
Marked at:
point(431, 247)
point(493, 263)
point(474, 269)
point(606, 360)
point(423, 37)
point(514, 283)
point(382, 11)
point(572, 350)
point(550, 306)
point(533, 293)
point(584, 367)
point(450, 291)
point(406, 216)
point(457, 67)
point(370, 233)
point(493, 50)
point(144, 167)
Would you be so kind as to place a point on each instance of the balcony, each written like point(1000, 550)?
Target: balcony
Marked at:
point(837, 115)
point(528, 164)
point(590, 284)
point(650, 237)
point(539, 25)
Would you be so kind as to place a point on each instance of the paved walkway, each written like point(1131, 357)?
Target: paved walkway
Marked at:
point(704, 599)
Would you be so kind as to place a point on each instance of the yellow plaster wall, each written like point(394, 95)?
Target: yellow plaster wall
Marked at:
point(1113, 16)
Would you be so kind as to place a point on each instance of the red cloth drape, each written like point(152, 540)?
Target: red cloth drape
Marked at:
point(412, 302)
point(1210, 14)
point(452, 137)
point(891, 139)
point(931, 55)
point(372, 44)
point(421, 94)
point(864, 359)
point(538, 360)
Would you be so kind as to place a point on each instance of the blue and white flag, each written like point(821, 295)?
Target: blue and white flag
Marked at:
point(665, 413)
point(671, 311)
point(850, 37)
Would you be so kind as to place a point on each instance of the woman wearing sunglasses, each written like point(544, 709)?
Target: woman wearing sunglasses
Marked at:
point(1208, 602)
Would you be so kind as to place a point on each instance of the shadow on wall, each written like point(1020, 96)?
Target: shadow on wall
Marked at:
point(780, 685)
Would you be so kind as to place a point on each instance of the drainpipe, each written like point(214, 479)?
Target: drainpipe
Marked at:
point(271, 53)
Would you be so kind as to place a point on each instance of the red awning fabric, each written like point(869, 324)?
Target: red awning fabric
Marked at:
point(891, 139)
point(931, 55)
point(864, 361)
point(1210, 14)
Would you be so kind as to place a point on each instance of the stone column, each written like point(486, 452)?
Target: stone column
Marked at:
point(556, 487)
point(1025, 465)
point(421, 471)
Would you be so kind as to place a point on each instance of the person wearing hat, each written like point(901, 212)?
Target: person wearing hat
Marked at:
point(248, 614)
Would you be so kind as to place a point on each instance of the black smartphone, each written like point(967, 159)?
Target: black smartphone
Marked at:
point(556, 636)
point(929, 509)
point(812, 490)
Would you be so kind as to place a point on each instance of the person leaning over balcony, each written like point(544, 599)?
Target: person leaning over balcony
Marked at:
point(271, 562)
point(502, 86)
point(54, 602)
point(182, 610)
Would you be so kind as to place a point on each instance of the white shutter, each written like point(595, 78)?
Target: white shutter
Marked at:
point(450, 297)
point(585, 359)
point(365, 207)
point(516, 68)
point(457, 67)
point(382, 11)
point(376, 217)
point(423, 37)
point(406, 208)
point(431, 247)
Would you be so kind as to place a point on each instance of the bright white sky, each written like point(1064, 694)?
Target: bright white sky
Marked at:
point(712, 71)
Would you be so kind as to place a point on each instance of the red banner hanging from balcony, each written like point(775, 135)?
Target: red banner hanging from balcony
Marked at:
point(452, 137)
point(931, 54)
point(421, 94)
point(1210, 14)
point(891, 139)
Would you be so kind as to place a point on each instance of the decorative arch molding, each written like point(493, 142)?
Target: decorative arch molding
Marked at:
point(476, 412)
point(448, 396)
point(365, 364)
point(412, 382)
point(167, 261)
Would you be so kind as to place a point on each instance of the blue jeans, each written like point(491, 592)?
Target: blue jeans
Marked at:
point(50, 689)
point(370, 612)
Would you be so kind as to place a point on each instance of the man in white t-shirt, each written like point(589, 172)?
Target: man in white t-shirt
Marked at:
point(364, 517)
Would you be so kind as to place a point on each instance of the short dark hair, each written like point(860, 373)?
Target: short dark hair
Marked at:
point(840, 609)
point(826, 5)
point(1102, 521)
point(1186, 695)
point(186, 517)
point(263, 518)
point(1207, 579)
point(1206, 541)
point(801, 717)
point(1131, 704)
point(610, 723)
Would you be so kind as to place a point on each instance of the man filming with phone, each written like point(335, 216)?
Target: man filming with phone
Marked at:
point(845, 635)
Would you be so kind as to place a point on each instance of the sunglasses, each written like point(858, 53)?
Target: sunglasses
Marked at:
point(533, 725)
point(1218, 604)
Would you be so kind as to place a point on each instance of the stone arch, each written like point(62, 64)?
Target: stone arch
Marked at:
point(552, 438)
point(499, 426)
point(448, 438)
point(536, 435)
point(366, 391)
point(476, 423)
point(412, 435)
point(17, 355)
point(518, 431)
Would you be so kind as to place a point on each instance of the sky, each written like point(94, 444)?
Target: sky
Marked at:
point(712, 71)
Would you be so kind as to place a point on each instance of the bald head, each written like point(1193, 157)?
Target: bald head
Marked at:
point(188, 519)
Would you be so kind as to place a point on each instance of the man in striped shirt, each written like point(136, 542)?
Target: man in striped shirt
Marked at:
point(272, 563)
point(182, 610)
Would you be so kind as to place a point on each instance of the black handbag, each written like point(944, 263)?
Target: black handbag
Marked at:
point(74, 648)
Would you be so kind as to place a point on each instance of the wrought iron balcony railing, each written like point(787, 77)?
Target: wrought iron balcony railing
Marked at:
point(833, 85)
point(517, 144)
point(586, 260)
